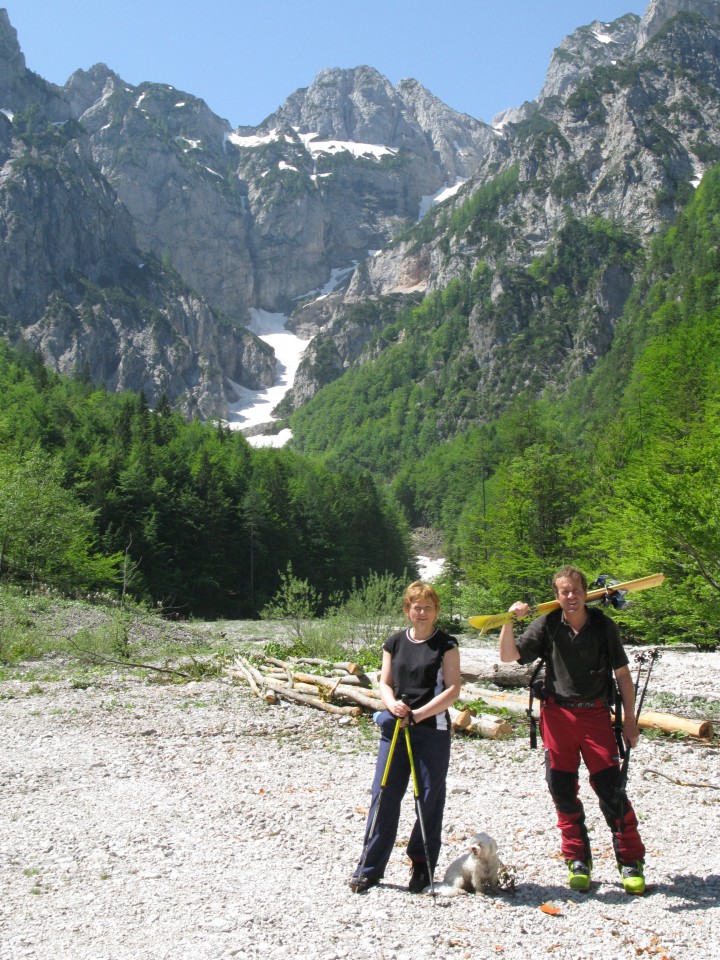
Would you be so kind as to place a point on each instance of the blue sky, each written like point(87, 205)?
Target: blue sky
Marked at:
point(245, 58)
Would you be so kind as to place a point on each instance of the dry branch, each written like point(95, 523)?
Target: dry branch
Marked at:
point(240, 668)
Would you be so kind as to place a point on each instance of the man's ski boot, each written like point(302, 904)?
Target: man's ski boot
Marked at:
point(579, 875)
point(633, 877)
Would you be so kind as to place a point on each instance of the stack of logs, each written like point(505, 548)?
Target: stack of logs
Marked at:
point(345, 689)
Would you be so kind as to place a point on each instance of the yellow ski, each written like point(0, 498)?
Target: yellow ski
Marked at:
point(492, 622)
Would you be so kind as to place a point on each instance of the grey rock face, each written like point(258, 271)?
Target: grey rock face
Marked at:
point(73, 281)
point(260, 216)
point(619, 138)
point(12, 62)
point(597, 45)
point(660, 11)
point(627, 121)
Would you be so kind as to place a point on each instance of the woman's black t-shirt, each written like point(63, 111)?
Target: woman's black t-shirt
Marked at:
point(417, 670)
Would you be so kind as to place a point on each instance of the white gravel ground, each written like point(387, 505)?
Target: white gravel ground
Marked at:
point(142, 821)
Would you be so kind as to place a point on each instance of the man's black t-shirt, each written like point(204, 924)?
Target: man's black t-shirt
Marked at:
point(578, 664)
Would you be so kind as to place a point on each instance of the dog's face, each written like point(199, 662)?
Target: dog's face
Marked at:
point(483, 846)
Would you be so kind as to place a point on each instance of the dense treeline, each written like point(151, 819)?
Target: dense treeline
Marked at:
point(616, 470)
point(97, 492)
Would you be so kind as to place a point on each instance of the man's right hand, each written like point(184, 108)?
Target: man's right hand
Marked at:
point(520, 609)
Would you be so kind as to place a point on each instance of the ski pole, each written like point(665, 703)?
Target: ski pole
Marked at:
point(418, 806)
point(641, 660)
point(383, 784)
point(619, 738)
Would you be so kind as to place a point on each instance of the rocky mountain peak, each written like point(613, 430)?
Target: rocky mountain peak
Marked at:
point(87, 87)
point(458, 139)
point(357, 104)
point(12, 61)
point(361, 105)
point(660, 11)
point(598, 44)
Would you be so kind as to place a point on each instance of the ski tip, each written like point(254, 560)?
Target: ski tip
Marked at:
point(492, 622)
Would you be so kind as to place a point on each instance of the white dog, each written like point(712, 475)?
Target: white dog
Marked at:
point(476, 871)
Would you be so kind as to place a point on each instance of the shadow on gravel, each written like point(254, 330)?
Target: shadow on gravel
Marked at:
point(699, 893)
point(533, 894)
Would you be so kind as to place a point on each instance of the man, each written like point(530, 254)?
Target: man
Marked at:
point(582, 646)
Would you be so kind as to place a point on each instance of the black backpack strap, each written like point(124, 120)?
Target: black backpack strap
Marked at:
point(614, 698)
point(536, 685)
point(531, 716)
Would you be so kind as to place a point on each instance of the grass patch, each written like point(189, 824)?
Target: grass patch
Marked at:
point(44, 637)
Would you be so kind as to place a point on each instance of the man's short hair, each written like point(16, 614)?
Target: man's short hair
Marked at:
point(569, 573)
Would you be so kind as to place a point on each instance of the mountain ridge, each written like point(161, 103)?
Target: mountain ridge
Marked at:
point(261, 217)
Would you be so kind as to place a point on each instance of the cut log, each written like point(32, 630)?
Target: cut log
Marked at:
point(517, 702)
point(345, 666)
point(240, 669)
point(493, 728)
point(702, 729)
point(460, 719)
point(501, 674)
point(485, 725)
point(366, 698)
point(667, 722)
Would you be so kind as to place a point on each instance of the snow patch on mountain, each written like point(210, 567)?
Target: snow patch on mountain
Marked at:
point(255, 407)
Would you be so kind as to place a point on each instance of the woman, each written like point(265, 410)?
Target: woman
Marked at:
point(420, 679)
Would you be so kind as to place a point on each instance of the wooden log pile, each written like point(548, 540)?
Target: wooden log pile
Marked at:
point(344, 689)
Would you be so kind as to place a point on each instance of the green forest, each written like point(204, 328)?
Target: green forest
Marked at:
point(613, 467)
point(100, 495)
point(615, 470)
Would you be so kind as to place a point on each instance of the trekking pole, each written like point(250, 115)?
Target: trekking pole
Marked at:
point(383, 784)
point(642, 659)
point(418, 806)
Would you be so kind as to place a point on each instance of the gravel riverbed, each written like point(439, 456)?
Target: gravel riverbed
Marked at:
point(141, 821)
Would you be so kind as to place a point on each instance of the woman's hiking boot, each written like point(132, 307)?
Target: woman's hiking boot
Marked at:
point(633, 877)
point(362, 883)
point(579, 875)
point(419, 878)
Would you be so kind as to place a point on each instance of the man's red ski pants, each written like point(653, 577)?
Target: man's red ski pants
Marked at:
point(572, 733)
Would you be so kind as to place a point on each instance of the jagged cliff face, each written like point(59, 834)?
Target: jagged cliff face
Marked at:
point(140, 230)
point(625, 124)
point(75, 284)
point(250, 218)
point(616, 132)
point(260, 217)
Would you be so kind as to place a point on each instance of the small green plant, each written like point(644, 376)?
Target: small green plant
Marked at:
point(296, 603)
point(352, 629)
point(120, 637)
